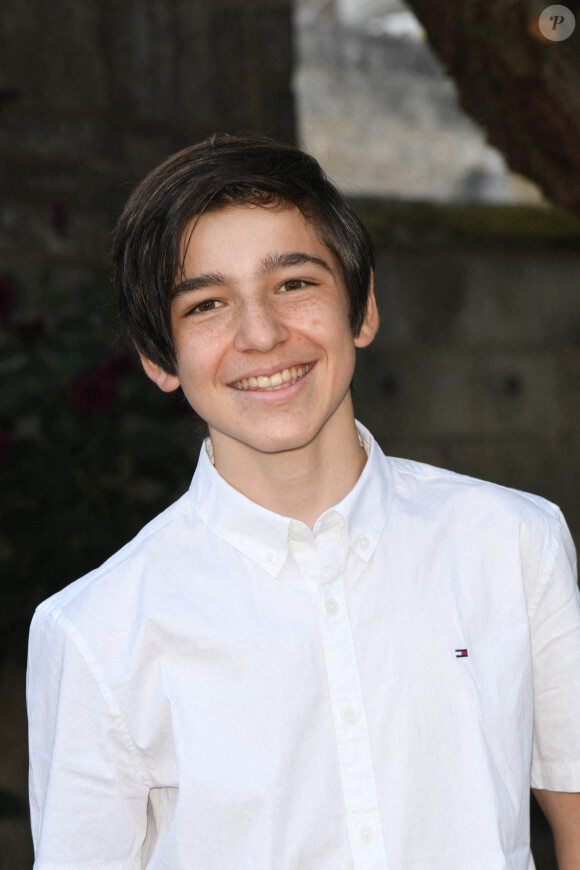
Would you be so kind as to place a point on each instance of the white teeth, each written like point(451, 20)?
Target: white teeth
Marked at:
point(272, 382)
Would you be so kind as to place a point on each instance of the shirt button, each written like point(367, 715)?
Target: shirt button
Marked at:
point(332, 606)
point(349, 715)
point(364, 542)
point(271, 558)
point(366, 834)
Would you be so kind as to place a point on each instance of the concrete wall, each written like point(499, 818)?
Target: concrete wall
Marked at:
point(94, 93)
point(477, 363)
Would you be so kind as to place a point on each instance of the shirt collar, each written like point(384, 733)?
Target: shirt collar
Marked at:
point(262, 535)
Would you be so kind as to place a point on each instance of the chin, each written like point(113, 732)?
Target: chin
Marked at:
point(272, 437)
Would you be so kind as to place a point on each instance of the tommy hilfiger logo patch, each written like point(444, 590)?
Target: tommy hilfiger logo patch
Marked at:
point(461, 653)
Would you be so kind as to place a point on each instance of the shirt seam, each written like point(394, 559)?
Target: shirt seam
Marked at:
point(424, 470)
point(552, 561)
point(83, 650)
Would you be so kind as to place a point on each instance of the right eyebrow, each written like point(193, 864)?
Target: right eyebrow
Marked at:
point(200, 282)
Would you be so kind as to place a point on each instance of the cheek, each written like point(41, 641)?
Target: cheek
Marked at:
point(329, 326)
point(198, 359)
point(328, 315)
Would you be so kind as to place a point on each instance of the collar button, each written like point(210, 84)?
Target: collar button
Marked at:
point(364, 542)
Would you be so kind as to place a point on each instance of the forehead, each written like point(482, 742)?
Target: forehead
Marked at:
point(238, 235)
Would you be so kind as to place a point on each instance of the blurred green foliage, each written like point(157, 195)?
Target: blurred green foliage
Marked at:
point(90, 450)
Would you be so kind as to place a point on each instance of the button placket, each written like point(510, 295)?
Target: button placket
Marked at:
point(357, 773)
point(304, 552)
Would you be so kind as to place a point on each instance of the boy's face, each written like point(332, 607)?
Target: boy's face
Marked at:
point(260, 319)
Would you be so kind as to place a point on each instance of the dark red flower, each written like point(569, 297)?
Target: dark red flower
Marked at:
point(93, 393)
point(58, 216)
point(7, 295)
point(6, 440)
point(118, 364)
point(31, 331)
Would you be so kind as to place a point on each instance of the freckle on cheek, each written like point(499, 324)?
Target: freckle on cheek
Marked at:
point(311, 313)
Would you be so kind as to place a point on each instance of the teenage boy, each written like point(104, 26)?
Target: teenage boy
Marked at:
point(318, 658)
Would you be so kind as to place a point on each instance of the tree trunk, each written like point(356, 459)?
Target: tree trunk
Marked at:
point(521, 87)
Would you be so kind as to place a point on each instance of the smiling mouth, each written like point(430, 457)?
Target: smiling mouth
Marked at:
point(277, 381)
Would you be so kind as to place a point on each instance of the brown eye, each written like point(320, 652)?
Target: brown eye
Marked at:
point(206, 305)
point(293, 284)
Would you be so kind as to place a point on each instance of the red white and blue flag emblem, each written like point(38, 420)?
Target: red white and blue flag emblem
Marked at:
point(461, 653)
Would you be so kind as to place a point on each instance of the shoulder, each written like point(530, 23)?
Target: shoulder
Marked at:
point(134, 573)
point(480, 515)
point(440, 487)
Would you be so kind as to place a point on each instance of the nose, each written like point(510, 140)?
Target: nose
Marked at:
point(259, 327)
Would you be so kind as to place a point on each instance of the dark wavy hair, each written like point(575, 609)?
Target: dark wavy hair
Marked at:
point(218, 172)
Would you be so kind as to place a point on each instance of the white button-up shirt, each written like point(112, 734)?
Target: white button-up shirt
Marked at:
point(233, 691)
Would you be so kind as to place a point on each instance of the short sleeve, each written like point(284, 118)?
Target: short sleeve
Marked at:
point(88, 790)
point(555, 628)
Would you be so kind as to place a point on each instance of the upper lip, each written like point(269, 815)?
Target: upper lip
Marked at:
point(267, 373)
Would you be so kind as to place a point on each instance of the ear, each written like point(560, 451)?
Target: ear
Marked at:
point(164, 380)
point(371, 322)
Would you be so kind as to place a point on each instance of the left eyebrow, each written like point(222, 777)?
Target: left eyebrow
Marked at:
point(272, 262)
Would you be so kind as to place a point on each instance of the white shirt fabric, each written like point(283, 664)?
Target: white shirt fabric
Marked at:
point(232, 691)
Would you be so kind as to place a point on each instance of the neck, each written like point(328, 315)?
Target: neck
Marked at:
point(302, 482)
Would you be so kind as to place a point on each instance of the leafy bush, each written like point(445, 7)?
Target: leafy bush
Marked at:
point(89, 449)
